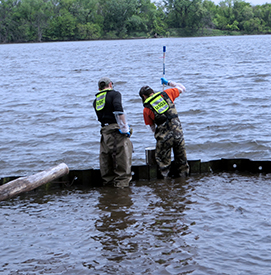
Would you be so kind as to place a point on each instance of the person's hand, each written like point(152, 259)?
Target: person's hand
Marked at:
point(127, 134)
point(164, 81)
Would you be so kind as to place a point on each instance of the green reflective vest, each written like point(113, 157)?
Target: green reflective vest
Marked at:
point(162, 107)
point(100, 101)
point(158, 103)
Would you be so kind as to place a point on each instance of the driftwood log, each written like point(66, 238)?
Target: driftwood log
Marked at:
point(29, 183)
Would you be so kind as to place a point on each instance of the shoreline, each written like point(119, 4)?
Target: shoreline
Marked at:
point(222, 34)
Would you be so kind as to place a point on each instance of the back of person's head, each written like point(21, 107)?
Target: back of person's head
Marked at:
point(145, 90)
point(104, 83)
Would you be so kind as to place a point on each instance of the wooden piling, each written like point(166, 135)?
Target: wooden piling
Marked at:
point(150, 156)
point(29, 183)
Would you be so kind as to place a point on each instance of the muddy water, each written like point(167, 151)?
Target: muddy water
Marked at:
point(47, 92)
point(215, 224)
point(210, 224)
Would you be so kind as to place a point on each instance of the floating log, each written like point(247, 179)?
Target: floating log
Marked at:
point(24, 184)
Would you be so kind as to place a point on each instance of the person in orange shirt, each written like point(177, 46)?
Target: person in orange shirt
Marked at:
point(161, 115)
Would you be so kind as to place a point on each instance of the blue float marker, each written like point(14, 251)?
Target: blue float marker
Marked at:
point(164, 64)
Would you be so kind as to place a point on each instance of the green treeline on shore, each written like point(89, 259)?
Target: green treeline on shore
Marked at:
point(67, 20)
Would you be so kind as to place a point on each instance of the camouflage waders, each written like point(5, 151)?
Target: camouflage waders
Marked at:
point(115, 156)
point(170, 135)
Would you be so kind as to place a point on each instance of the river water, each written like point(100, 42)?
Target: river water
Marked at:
point(209, 224)
point(47, 92)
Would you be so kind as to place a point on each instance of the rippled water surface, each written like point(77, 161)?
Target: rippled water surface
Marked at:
point(207, 224)
point(47, 92)
point(215, 224)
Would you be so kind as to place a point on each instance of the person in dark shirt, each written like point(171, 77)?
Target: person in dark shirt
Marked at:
point(115, 145)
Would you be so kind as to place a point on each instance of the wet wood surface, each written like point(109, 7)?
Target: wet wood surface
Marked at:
point(25, 184)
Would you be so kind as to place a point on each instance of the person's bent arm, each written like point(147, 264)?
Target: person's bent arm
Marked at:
point(173, 84)
point(179, 86)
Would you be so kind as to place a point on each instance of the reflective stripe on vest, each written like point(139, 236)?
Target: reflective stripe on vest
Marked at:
point(100, 101)
point(159, 104)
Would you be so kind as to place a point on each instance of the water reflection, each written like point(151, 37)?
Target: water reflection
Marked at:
point(140, 230)
point(171, 225)
point(171, 204)
point(113, 222)
point(201, 225)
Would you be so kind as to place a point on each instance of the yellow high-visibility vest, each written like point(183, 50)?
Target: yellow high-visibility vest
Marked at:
point(158, 103)
point(100, 101)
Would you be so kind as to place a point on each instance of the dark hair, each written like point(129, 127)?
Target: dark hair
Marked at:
point(103, 85)
point(145, 90)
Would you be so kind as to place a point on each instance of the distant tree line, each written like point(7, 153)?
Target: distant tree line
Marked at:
point(65, 20)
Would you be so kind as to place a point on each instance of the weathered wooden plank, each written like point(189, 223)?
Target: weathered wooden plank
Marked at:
point(24, 184)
